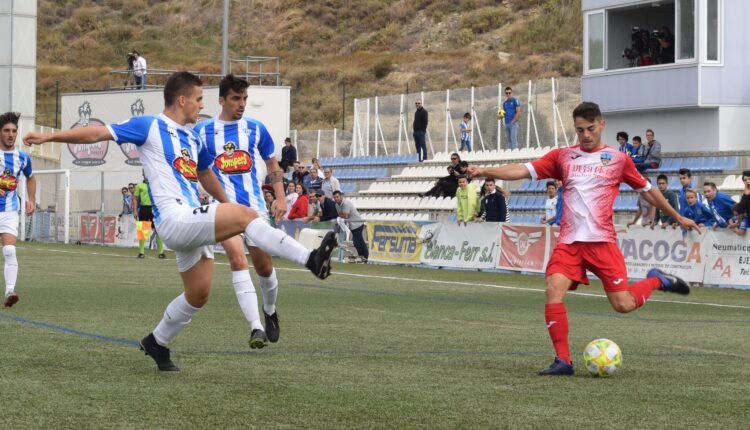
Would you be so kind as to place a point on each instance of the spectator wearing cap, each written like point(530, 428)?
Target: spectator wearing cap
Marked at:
point(719, 203)
point(288, 155)
point(328, 210)
point(348, 212)
point(330, 184)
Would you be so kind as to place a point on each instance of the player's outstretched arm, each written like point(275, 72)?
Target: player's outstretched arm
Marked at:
point(654, 197)
point(76, 135)
point(211, 184)
point(508, 172)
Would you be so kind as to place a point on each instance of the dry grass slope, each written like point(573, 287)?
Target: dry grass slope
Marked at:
point(374, 46)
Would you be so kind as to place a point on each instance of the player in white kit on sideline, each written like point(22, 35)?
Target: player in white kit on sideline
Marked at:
point(13, 164)
point(236, 145)
point(174, 160)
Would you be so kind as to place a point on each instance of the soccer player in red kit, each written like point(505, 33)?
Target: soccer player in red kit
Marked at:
point(591, 173)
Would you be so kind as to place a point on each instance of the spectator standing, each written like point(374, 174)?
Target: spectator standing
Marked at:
point(492, 204)
point(669, 196)
point(129, 75)
point(347, 211)
point(300, 207)
point(420, 130)
point(550, 204)
point(139, 71)
point(127, 202)
point(467, 201)
point(625, 147)
point(666, 45)
point(146, 219)
point(328, 210)
point(639, 150)
point(465, 127)
point(330, 183)
point(645, 212)
point(512, 108)
point(686, 180)
point(288, 155)
point(652, 160)
point(719, 203)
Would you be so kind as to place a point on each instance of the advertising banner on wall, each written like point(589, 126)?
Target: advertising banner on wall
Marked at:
point(523, 247)
point(645, 249)
point(728, 260)
point(394, 242)
point(450, 245)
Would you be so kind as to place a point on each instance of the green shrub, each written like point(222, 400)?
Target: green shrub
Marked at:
point(382, 68)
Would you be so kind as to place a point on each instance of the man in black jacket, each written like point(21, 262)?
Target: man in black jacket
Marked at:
point(327, 207)
point(420, 129)
point(492, 207)
point(288, 155)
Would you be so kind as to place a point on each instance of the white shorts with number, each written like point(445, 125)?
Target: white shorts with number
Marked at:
point(9, 223)
point(190, 232)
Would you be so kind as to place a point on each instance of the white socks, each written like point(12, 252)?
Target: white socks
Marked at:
point(178, 314)
point(268, 286)
point(11, 268)
point(246, 297)
point(275, 242)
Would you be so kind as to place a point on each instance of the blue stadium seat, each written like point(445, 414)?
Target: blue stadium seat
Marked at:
point(513, 202)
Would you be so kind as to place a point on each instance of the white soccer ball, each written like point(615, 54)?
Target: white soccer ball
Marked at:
point(602, 357)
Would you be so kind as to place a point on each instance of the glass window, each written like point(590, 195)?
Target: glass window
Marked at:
point(712, 31)
point(686, 25)
point(595, 41)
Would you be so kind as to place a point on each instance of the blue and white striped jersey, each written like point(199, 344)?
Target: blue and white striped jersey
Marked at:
point(234, 147)
point(171, 155)
point(13, 164)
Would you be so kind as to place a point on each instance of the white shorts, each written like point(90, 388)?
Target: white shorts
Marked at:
point(190, 232)
point(9, 223)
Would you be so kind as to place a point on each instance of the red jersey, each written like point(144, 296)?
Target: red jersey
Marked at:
point(591, 181)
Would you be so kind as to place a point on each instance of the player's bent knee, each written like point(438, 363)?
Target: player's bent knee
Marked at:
point(9, 253)
point(623, 307)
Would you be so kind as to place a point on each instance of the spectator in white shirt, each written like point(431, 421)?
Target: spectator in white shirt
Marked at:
point(139, 70)
point(550, 205)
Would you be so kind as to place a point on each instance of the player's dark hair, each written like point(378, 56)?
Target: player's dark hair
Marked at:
point(685, 171)
point(622, 134)
point(587, 110)
point(551, 184)
point(662, 176)
point(9, 118)
point(710, 184)
point(180, 84)
point(231, 82)
point(489, 180)
point(638, 138)
point(508, 88)
point(745, 174)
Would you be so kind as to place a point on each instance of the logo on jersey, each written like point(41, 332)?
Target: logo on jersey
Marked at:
point(233, 161)
point(605, 157)
point(523, 240)
point(8, 182)
point(186, 166)
point(88, 154)
point(130, 150)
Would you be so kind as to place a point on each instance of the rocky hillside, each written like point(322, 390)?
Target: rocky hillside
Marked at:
point(374, 46)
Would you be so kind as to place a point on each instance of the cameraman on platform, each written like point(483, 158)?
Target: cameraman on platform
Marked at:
point(666, 45)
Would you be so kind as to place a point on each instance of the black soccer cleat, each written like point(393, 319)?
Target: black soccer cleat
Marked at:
point(141, 256)
point(559, 367)
point(272, 327)
point(669, 283)
point(258, 339)
point(319, 261)
point(11, 299)
point(159, 353)
point(162, 256)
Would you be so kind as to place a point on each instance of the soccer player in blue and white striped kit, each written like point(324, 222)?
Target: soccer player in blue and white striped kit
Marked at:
point(236, 145)
point(174, 160)
point(13, 164)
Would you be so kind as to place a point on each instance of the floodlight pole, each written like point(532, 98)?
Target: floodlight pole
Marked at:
point(225, 39)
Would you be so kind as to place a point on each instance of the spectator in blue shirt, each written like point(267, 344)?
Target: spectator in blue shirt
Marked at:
point(560, 192)
point(738, 223)
point(512, 108)
point(697, 211)
point(639, 150)
point(719, 203)
point(686, 180)
point(465, 127)
point(625, 147)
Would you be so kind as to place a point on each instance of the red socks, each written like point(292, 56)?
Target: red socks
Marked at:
point(641, 290)
point(557, 324)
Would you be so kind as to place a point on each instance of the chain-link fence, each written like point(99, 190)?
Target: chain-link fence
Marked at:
point(383, 125)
